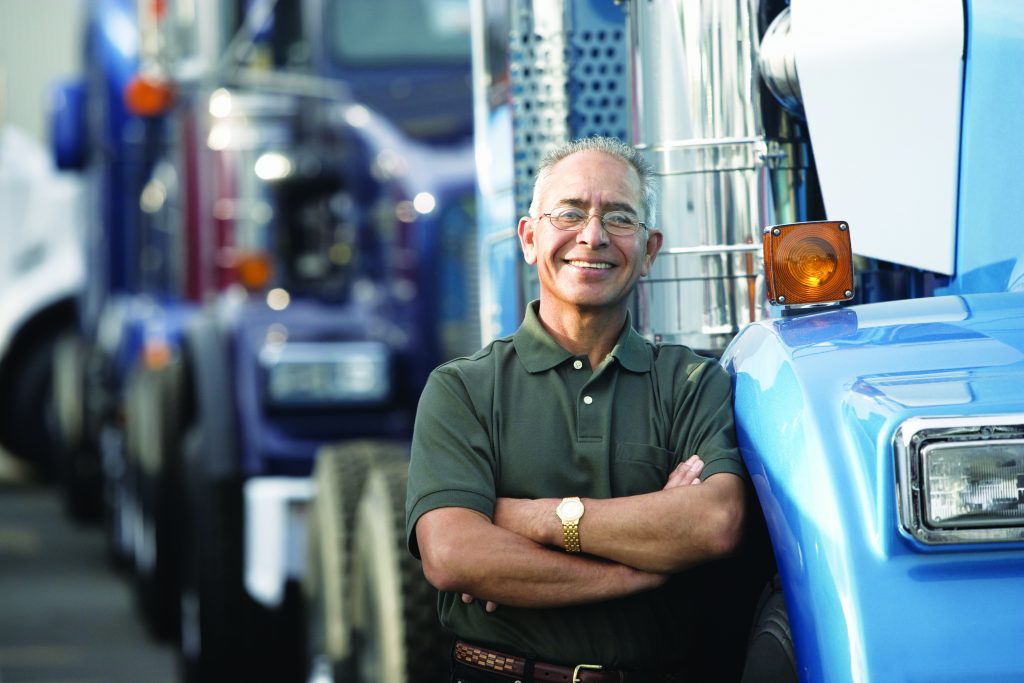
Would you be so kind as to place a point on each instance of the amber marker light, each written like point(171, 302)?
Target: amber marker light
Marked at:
point(808, 263)
point(156, 354)
point(253, 270)
point(148, 96)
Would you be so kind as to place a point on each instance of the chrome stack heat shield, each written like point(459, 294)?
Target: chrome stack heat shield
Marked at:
point(698, 119)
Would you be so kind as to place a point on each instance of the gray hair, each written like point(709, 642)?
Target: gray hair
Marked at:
point(612, 146)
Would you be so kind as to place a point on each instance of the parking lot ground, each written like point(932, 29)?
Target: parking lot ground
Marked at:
point(66, 616)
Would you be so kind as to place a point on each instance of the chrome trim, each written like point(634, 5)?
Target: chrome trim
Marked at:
point(911, 437)
point(681, 157)
point(363, 354)
point(273, 353)
point(698, 121)
point(777, 62)
point(715, 249)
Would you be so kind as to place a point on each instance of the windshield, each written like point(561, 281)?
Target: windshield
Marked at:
point(375, 32)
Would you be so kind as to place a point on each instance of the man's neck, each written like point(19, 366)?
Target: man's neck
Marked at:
point(589, 332)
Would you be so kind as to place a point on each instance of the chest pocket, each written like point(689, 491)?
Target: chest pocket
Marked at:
point(640, 468)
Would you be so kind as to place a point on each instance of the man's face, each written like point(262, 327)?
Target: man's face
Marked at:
point(589, 269)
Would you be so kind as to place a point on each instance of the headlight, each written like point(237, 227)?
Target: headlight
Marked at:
point(305, 373)
point(961, 480)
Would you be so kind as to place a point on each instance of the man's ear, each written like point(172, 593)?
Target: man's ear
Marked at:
point(654, 240)
point(527, 239)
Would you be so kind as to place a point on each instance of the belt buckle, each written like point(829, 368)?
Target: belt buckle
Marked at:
point(576, 671)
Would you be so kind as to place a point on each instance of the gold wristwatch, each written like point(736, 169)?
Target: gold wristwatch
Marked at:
point(570, 511)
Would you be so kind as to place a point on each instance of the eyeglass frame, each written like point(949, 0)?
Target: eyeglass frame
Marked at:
point(638, 225)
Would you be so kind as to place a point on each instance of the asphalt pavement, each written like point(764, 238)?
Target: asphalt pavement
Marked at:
point(66, 615)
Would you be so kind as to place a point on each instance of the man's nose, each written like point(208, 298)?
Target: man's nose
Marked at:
point(593, 232)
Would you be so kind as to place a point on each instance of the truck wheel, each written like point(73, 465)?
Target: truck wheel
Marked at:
point(398, 636)
point(68, 388)
point(225, 634)
point(212, 597)
point(78, 467)
point(25, 403)
point(339, 477)
point(157, 580)
point(770, 655)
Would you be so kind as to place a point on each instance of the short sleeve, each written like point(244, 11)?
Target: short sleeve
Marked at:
point(704, 424)
point(452, 459)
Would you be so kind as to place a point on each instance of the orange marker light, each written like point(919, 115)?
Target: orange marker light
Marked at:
point(146, 96)
point(808, 263)
point(253, 270)
point(156, 354)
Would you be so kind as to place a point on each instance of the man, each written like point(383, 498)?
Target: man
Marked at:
point(552, 497)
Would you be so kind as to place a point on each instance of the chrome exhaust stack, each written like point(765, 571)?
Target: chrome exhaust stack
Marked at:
point(698, 119)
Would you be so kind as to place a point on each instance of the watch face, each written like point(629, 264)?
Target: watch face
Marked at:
point(571, 509)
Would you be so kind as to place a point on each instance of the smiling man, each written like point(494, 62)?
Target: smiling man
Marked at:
point(564, 479)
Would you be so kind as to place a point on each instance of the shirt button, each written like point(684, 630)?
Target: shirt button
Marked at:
point(578, 364)
point(588, 400)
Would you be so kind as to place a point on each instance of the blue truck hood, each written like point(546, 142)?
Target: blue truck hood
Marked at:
point(818, 399)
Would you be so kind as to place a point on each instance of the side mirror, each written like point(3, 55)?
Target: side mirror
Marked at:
point(68, 131)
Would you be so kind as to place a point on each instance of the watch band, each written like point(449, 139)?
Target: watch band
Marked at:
point(569, 512)
point(571, 531)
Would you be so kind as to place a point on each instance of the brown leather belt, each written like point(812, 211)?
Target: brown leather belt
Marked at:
point(519, 668)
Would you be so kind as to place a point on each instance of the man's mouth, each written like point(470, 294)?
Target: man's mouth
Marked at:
point(589, 264)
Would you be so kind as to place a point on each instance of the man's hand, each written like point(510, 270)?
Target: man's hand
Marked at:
point(685, 474)
point(489, 605)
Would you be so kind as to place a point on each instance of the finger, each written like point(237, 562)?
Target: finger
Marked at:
point(680, 476)
point(490, 606)
point(467, 598)
point(691, 469)
point(675, 478)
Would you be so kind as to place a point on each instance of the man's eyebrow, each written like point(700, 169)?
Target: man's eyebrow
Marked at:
point(608, 206)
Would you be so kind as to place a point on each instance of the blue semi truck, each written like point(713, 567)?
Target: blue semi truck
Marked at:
point(882, 425)
point(283, 227)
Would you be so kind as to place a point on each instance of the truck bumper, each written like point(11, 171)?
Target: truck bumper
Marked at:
point(275, 535)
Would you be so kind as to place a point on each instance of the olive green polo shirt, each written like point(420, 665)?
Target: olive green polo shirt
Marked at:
point(524, 418)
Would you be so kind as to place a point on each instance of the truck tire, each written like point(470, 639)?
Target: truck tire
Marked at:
point(215, 612)
point(156, 466)
point(68, 388)
point(25, 403)
point(225, 634)
point(770, 654)
point(339, 477)
point(398, 636)
point(78, 468)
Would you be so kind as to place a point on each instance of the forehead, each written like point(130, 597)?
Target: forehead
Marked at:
point(592, 176)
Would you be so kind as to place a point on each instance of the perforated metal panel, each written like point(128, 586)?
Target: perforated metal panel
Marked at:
point(597, 80)
point(568, 73)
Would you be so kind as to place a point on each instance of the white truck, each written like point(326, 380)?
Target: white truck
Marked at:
point(41, 271)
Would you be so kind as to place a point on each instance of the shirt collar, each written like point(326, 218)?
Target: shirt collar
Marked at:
point(539, 351)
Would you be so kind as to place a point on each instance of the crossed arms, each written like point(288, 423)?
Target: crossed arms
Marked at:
point(630, 544)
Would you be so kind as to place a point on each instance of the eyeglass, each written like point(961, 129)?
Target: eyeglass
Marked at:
point(620, 223)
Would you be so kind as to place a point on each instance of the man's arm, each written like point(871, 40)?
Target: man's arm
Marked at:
point(664, 532)
point(464, 552)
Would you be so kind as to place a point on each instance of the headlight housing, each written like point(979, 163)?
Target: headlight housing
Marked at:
point(326, 374)
point(961, 479)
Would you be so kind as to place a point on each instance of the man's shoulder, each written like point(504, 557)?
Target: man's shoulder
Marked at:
point(481, 363)
point(681, 357)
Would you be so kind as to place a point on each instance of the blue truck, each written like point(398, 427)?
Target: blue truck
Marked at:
point(881, 423)
point(285, 206)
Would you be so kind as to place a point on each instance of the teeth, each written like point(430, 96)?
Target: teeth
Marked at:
point(588, 264)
